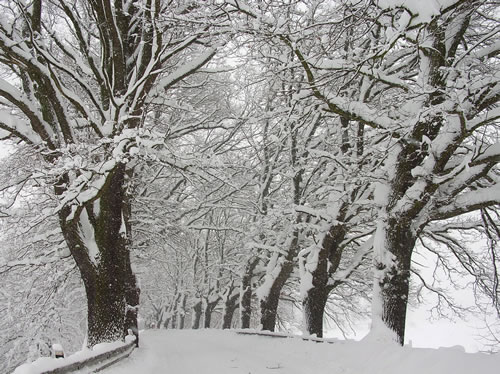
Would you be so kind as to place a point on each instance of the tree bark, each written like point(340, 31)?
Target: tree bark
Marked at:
point(209, 308)
point(395, 285)
point(208, 317)
point(246, 294)
point(329, 258)
point(182, 311)
point(269, 304)
point(197, 309)
point(175, 310)
point(110, 285)
point(314, 309)
point(229, 309)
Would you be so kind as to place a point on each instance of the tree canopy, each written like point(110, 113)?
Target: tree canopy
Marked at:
point(189, 159)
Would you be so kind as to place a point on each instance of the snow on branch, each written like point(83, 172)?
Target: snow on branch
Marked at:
point(468, 202)
point(491, 154)
point(182, 72)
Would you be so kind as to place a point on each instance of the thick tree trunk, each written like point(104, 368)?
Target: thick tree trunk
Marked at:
point(269, 308)
point(395, 284)
point(269, 304)
point(209, 308)
point(197, 309)
point(229, 309)
point(175, 310)
point(96, 237)
point(246, 294)
point(328, 260)
point(182, 311)
point(314, 309)
point(132, 293)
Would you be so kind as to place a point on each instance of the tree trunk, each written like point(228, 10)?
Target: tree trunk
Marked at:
point(246, 294)
point(182, 311)
point(208, 317)
point(168, 317)
point(269, 304)
point(175, 310)
point(229, 309)
point(197, 309)
point(208, 313)
point(394, 285)
point(96, 237)
point(269, 308)
point(314, 309)
point(174, 319)
point(328, 261)
point(132, 294)
point(159, 317)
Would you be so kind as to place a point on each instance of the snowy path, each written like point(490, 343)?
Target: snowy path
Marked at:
point(225, 352)
point(212, 351)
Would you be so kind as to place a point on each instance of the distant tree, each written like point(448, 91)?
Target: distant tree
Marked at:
point(314, 157)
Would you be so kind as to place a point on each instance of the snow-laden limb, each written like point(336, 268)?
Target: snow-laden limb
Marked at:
point(469, 201)
point(183, 71)
point(376, 74)
point(34, 131)
point(483, 119)
point(16, 125)
point(273, 269)
point(490, 154)
point(359, 256)
point(422, 11)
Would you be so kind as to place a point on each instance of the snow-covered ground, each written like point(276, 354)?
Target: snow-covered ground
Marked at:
point(225, 352)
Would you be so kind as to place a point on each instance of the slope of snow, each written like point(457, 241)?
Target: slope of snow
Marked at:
point(225, 352)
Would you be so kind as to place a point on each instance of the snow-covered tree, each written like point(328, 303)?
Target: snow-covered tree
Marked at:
point(79, 81)
point(443, 160)
point(423, 80)
point(320, 158)
point(434, 94)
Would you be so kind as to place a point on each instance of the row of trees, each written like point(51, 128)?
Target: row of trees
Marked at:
point(234, 152)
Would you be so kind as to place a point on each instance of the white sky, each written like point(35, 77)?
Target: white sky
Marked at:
point(424, 333)
point(5, 148)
